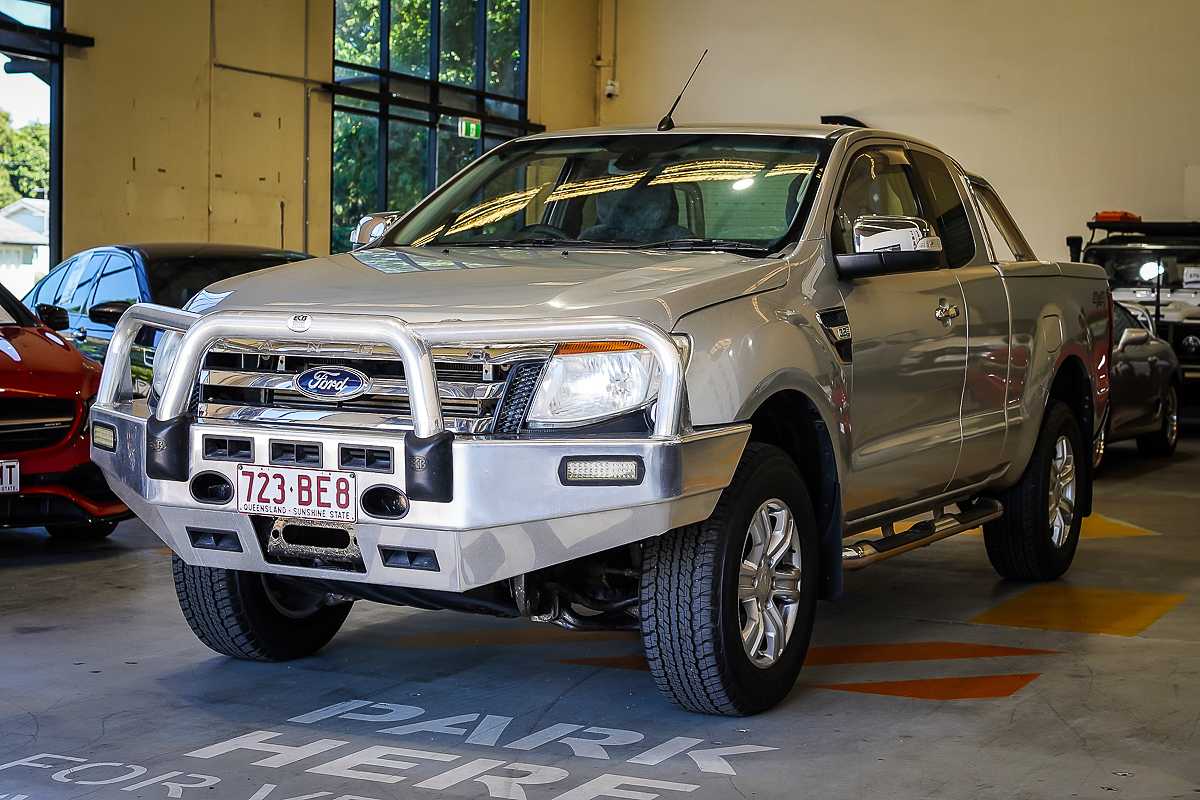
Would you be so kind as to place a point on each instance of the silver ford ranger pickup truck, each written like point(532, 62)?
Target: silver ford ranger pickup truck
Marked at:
point(670, 381)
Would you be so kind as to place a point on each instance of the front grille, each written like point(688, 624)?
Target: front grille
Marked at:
point(34, 423)
point(255, 382)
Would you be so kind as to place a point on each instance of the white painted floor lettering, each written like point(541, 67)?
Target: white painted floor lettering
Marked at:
point(449, 725)
point(613, 786)
point(378, 756)
point(133, 771)
point(257, 740)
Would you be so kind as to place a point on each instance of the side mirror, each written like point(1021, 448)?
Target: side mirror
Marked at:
point(1132, 337)
point(885, 245)
point(1075, 247)
point(53, 317)
point(108, 313)
point(372, 226)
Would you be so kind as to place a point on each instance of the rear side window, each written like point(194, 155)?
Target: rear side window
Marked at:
point(119, 282)
point(1001, 221)
point(944, 208)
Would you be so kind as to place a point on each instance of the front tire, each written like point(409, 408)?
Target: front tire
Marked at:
point(1037, 537)
point(249, 616)
point(727, 605)
point(1162, 442)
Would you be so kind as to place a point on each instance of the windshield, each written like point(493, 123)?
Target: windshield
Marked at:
point(718, 191)
point(174, 281)
point(1140, 267)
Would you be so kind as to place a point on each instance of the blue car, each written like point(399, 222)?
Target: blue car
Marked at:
point(86, 294)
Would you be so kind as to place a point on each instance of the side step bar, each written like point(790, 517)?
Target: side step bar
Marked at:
point(864, 554)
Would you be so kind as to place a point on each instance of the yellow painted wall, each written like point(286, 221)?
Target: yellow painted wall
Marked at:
point(162, 141)
point(169, 135)
point(562, 49)
point(1067, 106)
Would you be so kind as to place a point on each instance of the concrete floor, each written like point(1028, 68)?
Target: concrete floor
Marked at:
point(931, 679)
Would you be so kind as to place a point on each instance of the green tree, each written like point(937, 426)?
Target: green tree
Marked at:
point(24, 160)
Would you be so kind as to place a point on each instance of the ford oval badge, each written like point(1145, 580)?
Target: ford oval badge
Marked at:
point(332, 383)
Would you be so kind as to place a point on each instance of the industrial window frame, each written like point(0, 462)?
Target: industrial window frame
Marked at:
point(46, 44)
point(433, 113)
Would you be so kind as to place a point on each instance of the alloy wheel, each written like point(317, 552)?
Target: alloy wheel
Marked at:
point(769, 583)
point(1062, 480)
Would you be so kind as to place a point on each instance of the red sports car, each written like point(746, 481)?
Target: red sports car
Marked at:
point(46, 388)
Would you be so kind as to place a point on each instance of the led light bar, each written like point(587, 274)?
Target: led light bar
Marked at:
point(601, 471)
point(104, 436)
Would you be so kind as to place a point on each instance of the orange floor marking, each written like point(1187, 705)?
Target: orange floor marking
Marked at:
point(912, 651)
point(852, 654)
point(1097, 526)
point(981, 687)
point(1071, 608)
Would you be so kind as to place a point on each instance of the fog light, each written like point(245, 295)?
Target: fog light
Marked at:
point(104, 436)
point(601, 471)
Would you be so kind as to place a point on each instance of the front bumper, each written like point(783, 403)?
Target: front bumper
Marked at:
point(493, 507)
point(509, 515)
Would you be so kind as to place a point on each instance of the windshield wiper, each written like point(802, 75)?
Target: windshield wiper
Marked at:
point(533, 241)
point(702, 244)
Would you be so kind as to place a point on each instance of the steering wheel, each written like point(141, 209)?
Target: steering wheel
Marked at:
point(541, 230)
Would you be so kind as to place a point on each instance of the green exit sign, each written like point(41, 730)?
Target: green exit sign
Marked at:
point(469, 128)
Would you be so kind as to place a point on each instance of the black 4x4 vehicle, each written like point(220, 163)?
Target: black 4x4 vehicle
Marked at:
point(1155, 265)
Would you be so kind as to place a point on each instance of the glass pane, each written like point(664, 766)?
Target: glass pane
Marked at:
point(35, 15)
point(408, 44)
point(355, 174)
point(504, 47)
point(453, 151)
point(356, 31)
point(458, 42)
point(408, 160)
point(499, 108)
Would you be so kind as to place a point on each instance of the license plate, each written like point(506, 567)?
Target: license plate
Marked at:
point(10, 477)
point(293, 492)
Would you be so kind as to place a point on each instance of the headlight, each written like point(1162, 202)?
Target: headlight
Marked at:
point(593, 381)
point(164, 356)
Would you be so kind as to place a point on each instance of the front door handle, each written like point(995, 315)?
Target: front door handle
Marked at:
point(946, 312)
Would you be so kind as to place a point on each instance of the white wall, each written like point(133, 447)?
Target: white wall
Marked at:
point(1067, 106)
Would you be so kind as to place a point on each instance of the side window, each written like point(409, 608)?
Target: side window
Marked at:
point(876, 184)
point(944, 208)
point(48, 288)
point(76, 302)
point(119, 282)
point(999, 219)
point(72, 272)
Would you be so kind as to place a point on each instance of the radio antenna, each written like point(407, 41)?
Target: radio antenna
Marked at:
point(666, 123)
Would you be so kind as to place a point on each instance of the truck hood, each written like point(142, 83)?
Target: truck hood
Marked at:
point(431, 285)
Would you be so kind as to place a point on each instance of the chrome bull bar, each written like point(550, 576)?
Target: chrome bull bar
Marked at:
point(411, 342)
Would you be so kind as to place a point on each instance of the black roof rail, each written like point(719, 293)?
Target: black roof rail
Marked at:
point(1181, 229)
